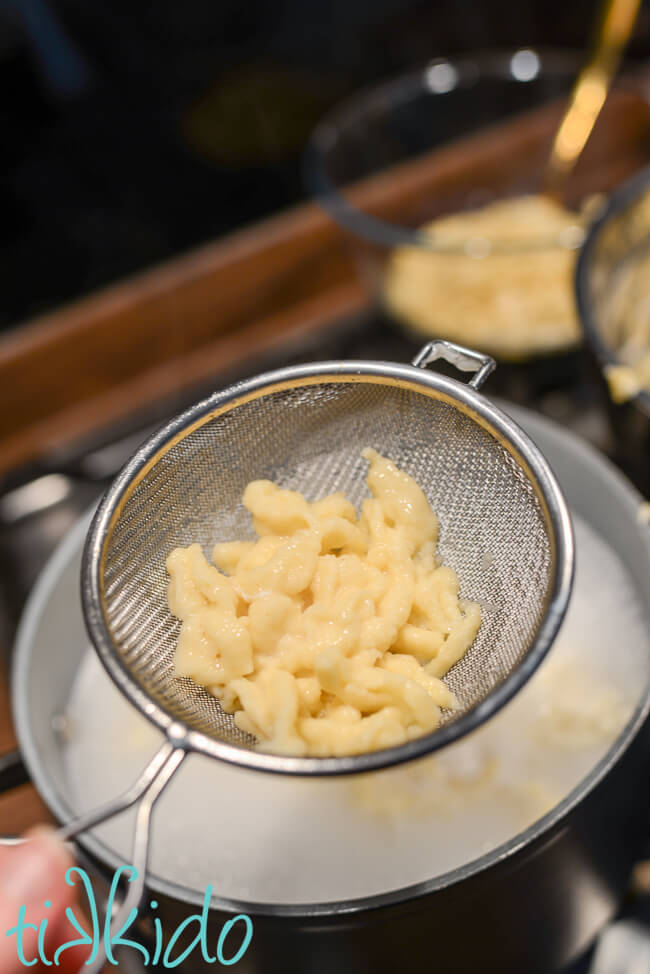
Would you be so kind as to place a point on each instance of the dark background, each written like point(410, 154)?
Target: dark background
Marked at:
point(132, 131)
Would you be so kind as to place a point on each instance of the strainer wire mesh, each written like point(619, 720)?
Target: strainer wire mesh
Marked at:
point(306, 433)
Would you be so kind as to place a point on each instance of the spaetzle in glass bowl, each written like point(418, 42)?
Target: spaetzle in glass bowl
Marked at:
point(438, 176)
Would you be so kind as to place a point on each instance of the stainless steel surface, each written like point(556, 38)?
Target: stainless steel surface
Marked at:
point(465, 359)
point(304, 427)
point(623, 949)
point(34, 497)
point(534, 903)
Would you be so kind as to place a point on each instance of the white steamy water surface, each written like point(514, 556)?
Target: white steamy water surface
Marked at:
point(275, 839)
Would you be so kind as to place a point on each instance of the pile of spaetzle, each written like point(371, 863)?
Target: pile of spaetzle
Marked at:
point(331, 633)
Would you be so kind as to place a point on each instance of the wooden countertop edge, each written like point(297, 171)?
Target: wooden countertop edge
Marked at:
point(177, 378)
point(236, 249)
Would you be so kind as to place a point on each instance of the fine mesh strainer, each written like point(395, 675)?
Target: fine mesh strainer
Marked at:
point(504, 527)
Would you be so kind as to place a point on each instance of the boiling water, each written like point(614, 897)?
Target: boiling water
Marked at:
point(274, 839)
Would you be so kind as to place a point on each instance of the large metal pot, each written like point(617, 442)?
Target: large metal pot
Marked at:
point(531, 905)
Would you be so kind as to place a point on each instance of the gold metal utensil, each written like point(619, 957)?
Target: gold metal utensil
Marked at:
point(615, 26)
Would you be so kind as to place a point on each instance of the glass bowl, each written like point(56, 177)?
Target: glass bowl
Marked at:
point(443, 143)
point(613, 295)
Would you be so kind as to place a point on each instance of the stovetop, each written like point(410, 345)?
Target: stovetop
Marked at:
point(37, 513)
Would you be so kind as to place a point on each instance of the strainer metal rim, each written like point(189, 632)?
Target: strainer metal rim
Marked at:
point(509, 434)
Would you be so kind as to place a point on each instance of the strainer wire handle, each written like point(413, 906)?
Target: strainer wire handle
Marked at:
point(146, 790)
point(465, 359)
point(124, 801)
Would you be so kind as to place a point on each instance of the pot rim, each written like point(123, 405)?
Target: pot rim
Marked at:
point(540, 830)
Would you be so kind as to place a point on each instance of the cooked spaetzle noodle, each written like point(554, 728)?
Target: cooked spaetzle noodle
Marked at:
point(330, 634)
point(513, 304)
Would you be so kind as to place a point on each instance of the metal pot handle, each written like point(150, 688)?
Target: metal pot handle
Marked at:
point(465, 359)
point(145, 791)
